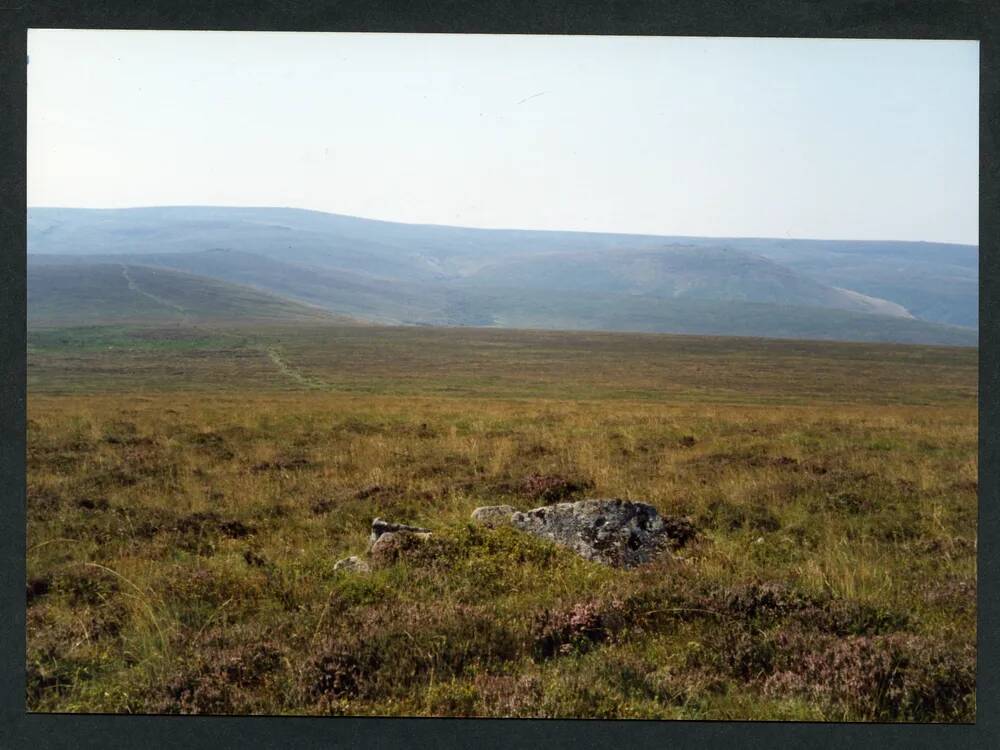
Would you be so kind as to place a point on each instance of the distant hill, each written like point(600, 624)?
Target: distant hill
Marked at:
point(94, 293)
point(721, 318)
point(340, 292)
point(934, 281)
point(434, 275)
point(85, 292)
point(674, 272)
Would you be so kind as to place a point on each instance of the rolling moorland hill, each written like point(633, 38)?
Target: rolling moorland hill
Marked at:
point(86, 292)
point(344, 292)
point(432, 275)
point(101, 293)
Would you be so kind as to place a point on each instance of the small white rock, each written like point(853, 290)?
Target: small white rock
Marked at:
point(353, 563)
point(493, 515)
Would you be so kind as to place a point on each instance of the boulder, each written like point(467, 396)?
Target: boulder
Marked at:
point(353, 564)
point(388, 542)
point(615, 532)
point(381, 526)
point(392, 545)
point(493, 515)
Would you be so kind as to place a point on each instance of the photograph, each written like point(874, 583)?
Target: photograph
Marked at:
point(502, 376)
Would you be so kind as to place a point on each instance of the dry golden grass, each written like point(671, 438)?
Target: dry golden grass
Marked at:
point(182, 532)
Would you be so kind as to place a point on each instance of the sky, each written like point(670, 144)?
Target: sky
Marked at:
point(723, 137)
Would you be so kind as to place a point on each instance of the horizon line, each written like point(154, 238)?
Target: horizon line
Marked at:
point(496, 228)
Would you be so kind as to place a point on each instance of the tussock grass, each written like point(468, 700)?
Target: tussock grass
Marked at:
point(182, 540)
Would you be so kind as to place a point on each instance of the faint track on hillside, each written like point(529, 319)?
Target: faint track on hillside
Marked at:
point(149, 295)
point(271, 351)
point(291, 371)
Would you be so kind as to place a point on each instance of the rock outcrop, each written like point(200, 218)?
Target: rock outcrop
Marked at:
point(388, 541)
point(392, 545)
point(615, 532)
point(621, 533)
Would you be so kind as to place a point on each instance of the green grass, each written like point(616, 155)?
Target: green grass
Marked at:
point(122, 339)
point(190, 489)
point(499, 364)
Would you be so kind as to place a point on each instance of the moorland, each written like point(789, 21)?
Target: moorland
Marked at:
point(194, 476)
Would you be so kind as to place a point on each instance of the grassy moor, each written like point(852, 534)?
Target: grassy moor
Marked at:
point(528, 376)
point(191, 485)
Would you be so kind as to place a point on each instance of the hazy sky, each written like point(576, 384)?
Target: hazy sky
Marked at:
point(663, 135)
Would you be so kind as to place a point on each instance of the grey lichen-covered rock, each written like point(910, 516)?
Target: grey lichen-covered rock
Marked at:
point(493, 515)
point(381, 526)
point(353, 563)
point(610, 531)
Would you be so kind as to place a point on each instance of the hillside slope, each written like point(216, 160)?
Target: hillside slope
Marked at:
point(934, 281)
point(95, 293)
point(680, 272)
point(90, 293)
point(432, 275)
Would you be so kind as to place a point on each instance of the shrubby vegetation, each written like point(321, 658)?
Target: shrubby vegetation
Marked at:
point(182, 532)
